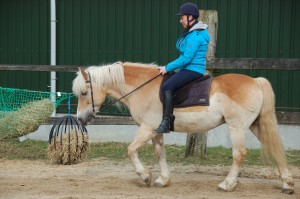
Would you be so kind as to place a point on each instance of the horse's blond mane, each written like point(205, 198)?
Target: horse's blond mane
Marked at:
point(104, 76)
point(153, 65)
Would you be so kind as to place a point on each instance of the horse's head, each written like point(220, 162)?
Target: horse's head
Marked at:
point(90, 95)
point(93, 85)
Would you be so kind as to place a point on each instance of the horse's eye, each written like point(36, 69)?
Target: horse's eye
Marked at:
point(84, 93)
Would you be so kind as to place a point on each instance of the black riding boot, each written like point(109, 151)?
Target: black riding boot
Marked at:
point(164, 127)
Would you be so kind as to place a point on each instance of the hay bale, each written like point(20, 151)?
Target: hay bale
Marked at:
point(64, 151)
point(25, 120)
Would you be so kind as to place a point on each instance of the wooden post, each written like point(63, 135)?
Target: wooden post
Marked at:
point(210, 17)
point(196, 141)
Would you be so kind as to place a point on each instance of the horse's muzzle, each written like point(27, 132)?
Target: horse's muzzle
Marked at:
point(82, 122)
point(85, 121)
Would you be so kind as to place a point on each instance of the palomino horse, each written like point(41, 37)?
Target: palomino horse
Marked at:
point(239, 100)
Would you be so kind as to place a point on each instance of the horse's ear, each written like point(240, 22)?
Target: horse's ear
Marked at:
point(84, 73)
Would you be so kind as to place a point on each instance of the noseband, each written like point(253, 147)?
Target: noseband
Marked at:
point(117, 100)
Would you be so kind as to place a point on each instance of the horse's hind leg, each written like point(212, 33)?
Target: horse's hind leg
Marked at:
point(142, 137)
point(164, 179)
point(286, 176)
point(237, 137)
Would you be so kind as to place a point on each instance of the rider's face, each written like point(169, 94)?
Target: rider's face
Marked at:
point(184, 20)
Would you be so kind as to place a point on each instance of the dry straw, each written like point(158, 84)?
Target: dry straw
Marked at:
point(25, 120)
point(68, 149)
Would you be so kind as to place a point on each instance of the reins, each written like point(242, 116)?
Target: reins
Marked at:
point(116, 100)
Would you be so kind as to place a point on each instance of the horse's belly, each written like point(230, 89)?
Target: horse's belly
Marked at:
point(196, 122)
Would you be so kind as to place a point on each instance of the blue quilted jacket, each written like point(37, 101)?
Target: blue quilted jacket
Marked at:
point(192, 47)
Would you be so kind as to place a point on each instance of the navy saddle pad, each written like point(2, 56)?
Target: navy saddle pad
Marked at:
point(195, 93)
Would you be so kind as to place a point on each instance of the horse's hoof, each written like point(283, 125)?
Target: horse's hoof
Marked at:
point(146, 176)
point(221, 188)
point(288, 185)
point(148, 179)
point(288, 191)
point(160, 182)
point(226, 187)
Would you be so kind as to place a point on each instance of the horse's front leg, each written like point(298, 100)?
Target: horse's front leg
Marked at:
point(143, 135)
point(164, 179)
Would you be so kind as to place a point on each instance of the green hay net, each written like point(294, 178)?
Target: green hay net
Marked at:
point(22, 111)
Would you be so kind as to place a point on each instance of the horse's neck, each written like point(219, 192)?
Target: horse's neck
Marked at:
point(135, 77)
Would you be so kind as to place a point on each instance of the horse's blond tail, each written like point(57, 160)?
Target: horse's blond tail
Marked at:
point(268, 126)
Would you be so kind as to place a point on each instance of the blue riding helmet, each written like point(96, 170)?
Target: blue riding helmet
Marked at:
point(189, 9)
